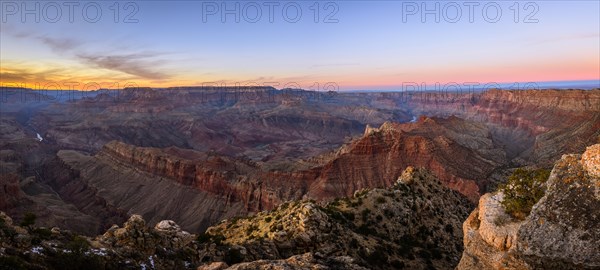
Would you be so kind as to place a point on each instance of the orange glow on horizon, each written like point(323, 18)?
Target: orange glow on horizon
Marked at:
point(92, 79)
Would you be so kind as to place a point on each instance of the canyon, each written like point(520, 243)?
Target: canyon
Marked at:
point(226, 152)
point(414, 224)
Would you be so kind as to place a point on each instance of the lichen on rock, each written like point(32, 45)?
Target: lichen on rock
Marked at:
point(561, 232)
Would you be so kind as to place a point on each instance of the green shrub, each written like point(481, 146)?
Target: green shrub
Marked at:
point(284, 205)
point(356, 203)
point(354, 243)
point(28, 220)
point(251, 229)
point(12, 262)
point(388, 213)
point(378, 257)
point(349, 215)
point(218, 239)
point(336, 215)
point(424, 254)
point(78, 244)
point(43, 233)
point(75, 260)
point(449, 228)
point(365, 229)
point(365, 214)
point(523, 189)
point(380, 200)
point(397, 264)
point(39, 235)
point(233, 256)
point(268, 219)
point(203, 238)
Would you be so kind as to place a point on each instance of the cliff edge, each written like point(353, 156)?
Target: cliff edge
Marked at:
point(561, 232)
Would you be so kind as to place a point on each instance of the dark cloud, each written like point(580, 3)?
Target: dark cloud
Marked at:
point(136, 64)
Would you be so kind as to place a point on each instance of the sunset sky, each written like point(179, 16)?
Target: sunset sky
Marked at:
point(371, 46)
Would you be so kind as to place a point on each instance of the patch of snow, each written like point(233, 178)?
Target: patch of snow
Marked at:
point(39, 137)
point(37, 250)
point(151, 261)
point(414, 119)
point(143, 266)
point(99, 252)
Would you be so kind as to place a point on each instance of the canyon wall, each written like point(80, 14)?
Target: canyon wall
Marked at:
point(538, 125)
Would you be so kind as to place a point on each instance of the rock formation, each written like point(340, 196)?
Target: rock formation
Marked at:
point(461, 153)
point(297, 262)
point(561, 232)
point(536, 125)
point(414, 224)
point(223, 152)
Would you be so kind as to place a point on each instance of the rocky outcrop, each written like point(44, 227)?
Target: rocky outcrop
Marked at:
point(135, 236)
point(590, 160)
point(133, 246)
point(461, 153)
point(561, 232)
point(297, 262)
point(414, 224)
point(490, 242)
point(360, 232)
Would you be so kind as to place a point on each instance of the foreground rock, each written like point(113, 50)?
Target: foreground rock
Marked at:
point(414, 224)
point(561, 232)
point(304, 261)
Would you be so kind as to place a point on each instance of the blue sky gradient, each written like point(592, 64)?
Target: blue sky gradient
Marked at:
point(369, 47)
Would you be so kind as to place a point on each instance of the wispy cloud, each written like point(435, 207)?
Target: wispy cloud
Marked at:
point(136, 64)
point(62, 45)
point(143, 65)
point(29, 75)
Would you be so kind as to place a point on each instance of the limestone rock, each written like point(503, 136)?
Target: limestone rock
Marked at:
point(591, 160)
point(213, 266)
point(489, 245)
point(561, 232)
point(563, 229)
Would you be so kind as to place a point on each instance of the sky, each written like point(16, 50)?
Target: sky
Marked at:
point(318, 45)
